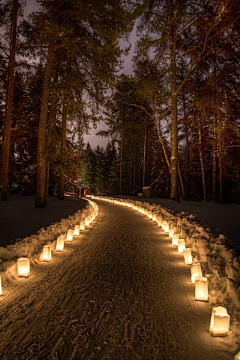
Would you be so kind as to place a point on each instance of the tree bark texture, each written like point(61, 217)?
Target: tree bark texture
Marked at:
point(144, 151)
point(174, 192)
point(49, 141)
point(201, 158)
point(5, 151)
point(214, 159)
point(63, 154)
point(40, 199)
point(121, 161)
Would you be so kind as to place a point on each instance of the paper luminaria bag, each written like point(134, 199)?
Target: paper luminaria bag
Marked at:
point(220, 321)
point(23, 267)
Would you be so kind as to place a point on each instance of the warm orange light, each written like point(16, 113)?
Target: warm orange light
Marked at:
point(220, 321)
point(82, 225)
point(60, 243)
point(87, 221)
point(149, 214)
point(181, 245)
point(46, 254)
point(187, 253)
point(175, 239)
point(69, 235)
point(159, 221)
point(165, 226)
point(195, 271)
point(171, 232)
point(23, 267)
point(0, 284)
point(201, 288)
point(76, 231)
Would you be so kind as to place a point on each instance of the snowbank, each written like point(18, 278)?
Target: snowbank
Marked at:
point(218, 263)
point(31, 246)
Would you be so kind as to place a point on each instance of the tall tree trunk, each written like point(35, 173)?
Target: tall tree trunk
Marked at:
point(214, 159)
point(174, 192)
point(40, 199)
point(220, 170)
point(121, 161)
point(181, 181)
point(49, 141)
point(8, 112)
point(63, 154)
point(201, 158)
point(131, 177)
point(157, 123)
point(64, 135)
point(220, 157)
point(188, 185)
point(144, 151)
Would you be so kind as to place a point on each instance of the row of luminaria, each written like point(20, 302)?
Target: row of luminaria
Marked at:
point(23, 264)
point(220, 319)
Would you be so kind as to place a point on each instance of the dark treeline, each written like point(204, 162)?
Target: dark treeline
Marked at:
point(177, 117)
point(55, 66)
point(172, 125)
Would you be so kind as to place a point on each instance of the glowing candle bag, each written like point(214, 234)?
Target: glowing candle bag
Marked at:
point(175, 239)
point(201, 288)
point(76, 231)
point(69, 235)
point(46, 254)
point(187, 253)
point(171, 232)
point(181, 245)
point(87, 221)
point(0, 284)
point(220, 321)
point(159, 221)
point(23, 267)
point(82, 225)
point(165, 226)
point(195, 271)
point(60, 243)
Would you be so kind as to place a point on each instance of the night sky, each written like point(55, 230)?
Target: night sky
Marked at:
point(92, 138)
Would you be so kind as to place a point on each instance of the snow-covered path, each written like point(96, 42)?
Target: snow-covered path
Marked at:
point(118, 291)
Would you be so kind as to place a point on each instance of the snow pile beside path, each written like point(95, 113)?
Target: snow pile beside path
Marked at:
point(31, 246)
point(218, 263)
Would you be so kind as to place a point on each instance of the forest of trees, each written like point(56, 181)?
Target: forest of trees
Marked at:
point(172, 125)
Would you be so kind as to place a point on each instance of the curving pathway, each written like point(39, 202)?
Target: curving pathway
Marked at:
point(119, 291)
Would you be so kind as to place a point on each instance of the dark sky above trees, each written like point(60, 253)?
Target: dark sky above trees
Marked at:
point(92, 138)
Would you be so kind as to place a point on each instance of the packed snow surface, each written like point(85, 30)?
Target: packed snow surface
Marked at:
point(119, 290)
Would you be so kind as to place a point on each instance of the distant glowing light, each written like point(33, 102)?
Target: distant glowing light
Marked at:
point(69, 235)
point(76, 230)
point(165, 226)
point(175, 239)
point(46, 254)
point(87, 221)
point(82, 225)
point(159, 221)
point(60, 243)
point(171, 232)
